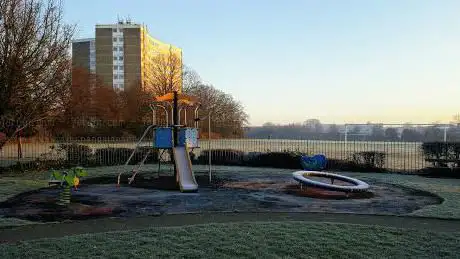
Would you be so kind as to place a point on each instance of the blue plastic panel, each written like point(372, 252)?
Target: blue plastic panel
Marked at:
point(189, 137)
point(163, 138)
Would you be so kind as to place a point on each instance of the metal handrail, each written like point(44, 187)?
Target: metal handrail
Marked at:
point(134, 151)
point(196, 115)
point(166, 112)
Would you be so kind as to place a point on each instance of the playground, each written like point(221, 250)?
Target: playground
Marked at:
point(261, 190)
point(140, 191)
point(141, 197)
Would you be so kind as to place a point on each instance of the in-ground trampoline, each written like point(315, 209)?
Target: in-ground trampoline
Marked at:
point(353, 185)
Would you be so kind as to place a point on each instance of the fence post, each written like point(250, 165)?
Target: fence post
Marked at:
point(209, 144)
point(445, 134)
point(346, 133)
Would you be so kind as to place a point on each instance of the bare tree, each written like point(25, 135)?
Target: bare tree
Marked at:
point(190, 78)
point(136, 104)
point(165, 72)
point(34, 62)
point(79, 103)
point(228, 115)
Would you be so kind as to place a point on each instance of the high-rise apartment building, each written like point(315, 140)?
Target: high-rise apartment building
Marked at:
point(123, 55)
point(84, 54)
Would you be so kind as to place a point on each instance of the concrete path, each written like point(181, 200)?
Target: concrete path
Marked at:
point(53, 230)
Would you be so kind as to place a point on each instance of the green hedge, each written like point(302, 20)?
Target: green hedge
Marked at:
point(444, 158)
point(359, 162)
point(221, 157)
point(441, 150)
point(287, 160)
point(369, 159)
point(84, 156)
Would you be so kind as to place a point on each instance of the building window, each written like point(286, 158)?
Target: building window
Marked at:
point(115, 76)
point(115, 67)
point(120, 76)
point(114, 48)
point(120, 58)
point(114, 39)
point(114, 58)
point(121, 67)
point(121, 86)
point(120, 48)
point(120, 39)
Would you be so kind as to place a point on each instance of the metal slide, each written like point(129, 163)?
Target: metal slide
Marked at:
point(187, 181)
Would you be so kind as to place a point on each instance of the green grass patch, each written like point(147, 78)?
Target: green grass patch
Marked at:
point(447, 189)
point(246, 240)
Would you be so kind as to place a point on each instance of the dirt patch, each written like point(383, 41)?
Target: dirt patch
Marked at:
point(153, 195)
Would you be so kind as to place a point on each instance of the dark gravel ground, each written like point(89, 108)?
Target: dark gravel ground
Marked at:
point(150, 195)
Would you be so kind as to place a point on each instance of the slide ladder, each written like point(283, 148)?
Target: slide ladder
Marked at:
point(186, 177)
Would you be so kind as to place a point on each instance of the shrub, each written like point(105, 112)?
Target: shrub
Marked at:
point(222, 157)
point(370, 159)
point(351, 166)
point(34, 166)
point(435, 150)
point(440, 172)
point(441, 150)
point(290, 160)
point(77, 154)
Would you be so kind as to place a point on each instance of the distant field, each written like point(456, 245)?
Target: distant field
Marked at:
point(400, 155)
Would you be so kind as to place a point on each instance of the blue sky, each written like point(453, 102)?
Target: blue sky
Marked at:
point(339, 61)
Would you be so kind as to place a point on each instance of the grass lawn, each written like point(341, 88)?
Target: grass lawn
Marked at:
point(269, 240)
point(447, 189)
point(248, 240)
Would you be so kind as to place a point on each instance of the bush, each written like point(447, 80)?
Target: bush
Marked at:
point(289, 160)
point(34, 166)
point(222, 157)
point(370, 159)
point(77, 154)
point(351, 166)
point(440, 172)
point(441, 150)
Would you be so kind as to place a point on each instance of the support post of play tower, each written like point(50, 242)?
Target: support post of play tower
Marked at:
point(175, 128)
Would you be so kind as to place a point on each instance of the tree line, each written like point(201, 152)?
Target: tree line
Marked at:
point(315, 130)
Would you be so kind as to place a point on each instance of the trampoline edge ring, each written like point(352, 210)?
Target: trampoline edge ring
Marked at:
point(358, 185)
